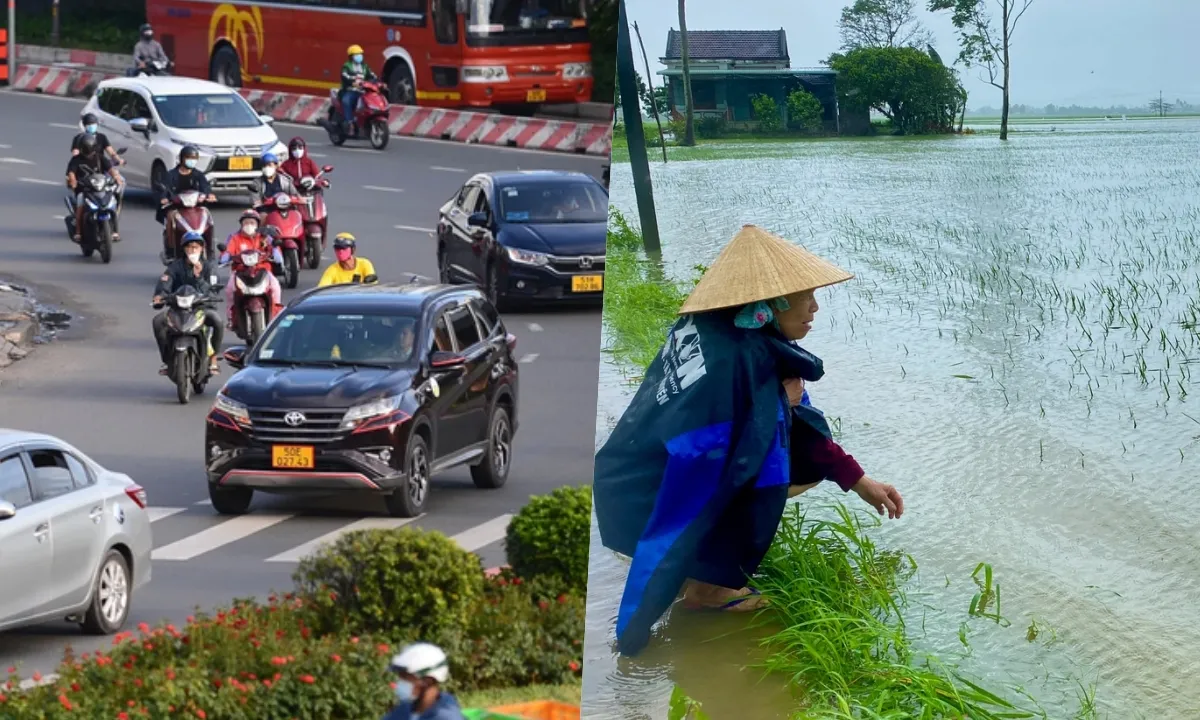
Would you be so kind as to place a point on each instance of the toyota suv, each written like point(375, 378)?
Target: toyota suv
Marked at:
point(366, 388)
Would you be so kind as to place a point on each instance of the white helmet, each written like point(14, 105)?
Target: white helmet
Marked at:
point(422, 660)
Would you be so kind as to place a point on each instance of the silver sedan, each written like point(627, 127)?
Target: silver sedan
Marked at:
point(75, 538)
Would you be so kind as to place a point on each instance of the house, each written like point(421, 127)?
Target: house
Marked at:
point(729, 67)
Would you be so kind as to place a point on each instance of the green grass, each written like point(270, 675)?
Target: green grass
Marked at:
point(838, 600)
point(511, 696)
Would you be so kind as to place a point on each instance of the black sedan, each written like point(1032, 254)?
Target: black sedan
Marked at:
point(366, 388)
point(526, 236)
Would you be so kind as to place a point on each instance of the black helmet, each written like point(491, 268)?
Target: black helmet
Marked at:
point(189, 151)
point(146, 30)
point(296, 142)
point(89, 119)
point(344, 241)
point(88, 144)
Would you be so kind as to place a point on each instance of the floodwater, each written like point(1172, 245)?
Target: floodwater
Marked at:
point(1016, 355)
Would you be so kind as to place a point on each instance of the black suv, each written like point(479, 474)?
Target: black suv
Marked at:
point(366, 388)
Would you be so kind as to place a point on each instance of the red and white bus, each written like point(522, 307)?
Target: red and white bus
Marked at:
point(508, 54)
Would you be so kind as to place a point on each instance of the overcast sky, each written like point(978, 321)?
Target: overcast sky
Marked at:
point(1115, 52)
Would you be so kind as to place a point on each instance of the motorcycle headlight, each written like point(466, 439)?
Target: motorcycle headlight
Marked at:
point(91, 205)
point(360, 414)
point(527, 257)
point(577, 71)
point(485, 74)
point(97, 182)
point(185, 301)
point(232, 408)
point(250, 259)
point(112, 204)
point(189, 199)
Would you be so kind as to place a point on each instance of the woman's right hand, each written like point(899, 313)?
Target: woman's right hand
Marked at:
point(795, 390)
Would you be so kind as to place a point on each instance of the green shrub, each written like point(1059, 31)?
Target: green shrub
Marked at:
point(805, 111)
point(711, 126)
point(548, 539)
point(766, 113)
point(404, 584)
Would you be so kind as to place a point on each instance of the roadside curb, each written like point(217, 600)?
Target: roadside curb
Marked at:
point(19, 324)
point(459, 126)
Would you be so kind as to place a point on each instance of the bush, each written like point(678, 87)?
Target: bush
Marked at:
point(548, 539)
point(805, 111)
point(404, 584)
point(711, 126)
point(766, 113)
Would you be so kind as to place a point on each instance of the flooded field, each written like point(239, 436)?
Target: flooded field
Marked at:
point(1016, 354)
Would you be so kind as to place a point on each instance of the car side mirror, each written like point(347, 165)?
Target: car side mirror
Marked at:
point(121, 151)
point(478, 220)
point(221, 247)
point(7, 510)
point(442, 360)
point(141, 125)
point(267, 119)
point(370, 279)
point(235, 356)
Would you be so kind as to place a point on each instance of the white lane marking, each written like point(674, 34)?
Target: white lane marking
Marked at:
point(529, 357)
point(370, 523)
point(5, 147)
point(359, 150)
point(446, 169)
point(216, 536)
point(60, 217)
point(64, 126)
point(37, 181)
point(414, 228)
point(203, 502)
point(14, 161)
point(483, 535)
point(159, 513)
point(317, 155)
point(534, 327)
point(380, 188)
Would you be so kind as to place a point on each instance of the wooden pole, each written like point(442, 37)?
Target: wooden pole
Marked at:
point(636, 136)
point(653, 100)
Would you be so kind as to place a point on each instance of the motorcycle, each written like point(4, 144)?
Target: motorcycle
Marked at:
point(152, 68)
point(190, 215)
point(311, 202)
point(190, 338)
point(286, 227)
point(253, 308)
point(101, 198)
point(372, 115)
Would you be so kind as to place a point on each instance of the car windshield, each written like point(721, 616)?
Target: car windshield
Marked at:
point(216, 110)
point(496, 16)
point(573, 201)
point(323, 338)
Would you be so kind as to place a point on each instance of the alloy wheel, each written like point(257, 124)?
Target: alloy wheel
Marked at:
point(114, 592)
point(418, 476)
point(501, 445)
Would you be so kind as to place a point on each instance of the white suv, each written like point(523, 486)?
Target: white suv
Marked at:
point(155, 117)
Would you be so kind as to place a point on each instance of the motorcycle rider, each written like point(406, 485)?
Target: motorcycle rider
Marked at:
point(91, 126)
point(91, 159)
point(182, 178)
point(422, 669)
point(147, 50)
point(248, 239)
point(348, 268)
point(299, 164)
point(353, 73)
point(273, 182)
point(191, 268)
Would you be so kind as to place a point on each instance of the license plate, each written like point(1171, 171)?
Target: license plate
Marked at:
point(241, 163)
point(298, 457)
point(587, 283)
point(535, 96)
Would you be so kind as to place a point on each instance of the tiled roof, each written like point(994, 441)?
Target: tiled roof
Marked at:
point(730, 45)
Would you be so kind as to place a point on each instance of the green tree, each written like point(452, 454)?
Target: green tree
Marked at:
point(882, 23)
point(805, 111)
point(602, 33)
point(917, 93)
point(986, 42)
point(766, 113)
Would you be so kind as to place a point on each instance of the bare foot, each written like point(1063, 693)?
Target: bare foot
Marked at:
point(701, 596)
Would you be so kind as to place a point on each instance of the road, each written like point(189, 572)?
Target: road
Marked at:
point(97, 386)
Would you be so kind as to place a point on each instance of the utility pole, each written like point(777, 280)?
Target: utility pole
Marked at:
point(653, 99)
point(54, 23)
point(636, 136)
point(12, 41)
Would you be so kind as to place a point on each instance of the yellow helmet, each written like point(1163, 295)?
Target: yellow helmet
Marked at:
point(344, 240)
point(354, 50)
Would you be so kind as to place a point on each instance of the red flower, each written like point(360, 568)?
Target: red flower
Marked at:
point(307, 679)
point(574, 666)
point(75, 687)
point(62, 700)
point(122, 715)
point(201, 714)
point(37, 676)
point(336, 658)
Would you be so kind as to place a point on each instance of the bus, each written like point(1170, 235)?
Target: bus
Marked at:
point(509, 55)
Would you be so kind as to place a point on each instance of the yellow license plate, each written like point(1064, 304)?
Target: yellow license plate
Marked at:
point(241, 163)
point(535, 96)
point(587, 283)
point(296, 457)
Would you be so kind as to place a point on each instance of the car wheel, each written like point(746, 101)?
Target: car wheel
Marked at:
point(493, 471)
point(110, 597)
point(230, 500)
point(225, 67)
point(408, 500)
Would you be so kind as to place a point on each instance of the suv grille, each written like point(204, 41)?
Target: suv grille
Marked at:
point(572, 265)
point(318, 427)
point(254, 151)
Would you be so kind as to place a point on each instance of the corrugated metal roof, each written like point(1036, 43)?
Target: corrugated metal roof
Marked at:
point(730, 45)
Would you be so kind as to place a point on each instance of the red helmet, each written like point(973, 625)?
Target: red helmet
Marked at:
point(250, 214)
point(296, 142)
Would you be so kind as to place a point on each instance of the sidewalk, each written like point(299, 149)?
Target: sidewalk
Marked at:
point(18, 324)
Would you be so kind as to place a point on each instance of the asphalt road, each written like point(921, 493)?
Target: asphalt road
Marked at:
point(97, 385)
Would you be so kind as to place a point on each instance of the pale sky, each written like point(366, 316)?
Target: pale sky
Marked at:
point(1085, 52)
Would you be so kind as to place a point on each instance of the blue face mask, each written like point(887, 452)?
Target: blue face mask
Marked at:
point(190, 164)
point(357, 59)
point(404, 693)
point(90, 129)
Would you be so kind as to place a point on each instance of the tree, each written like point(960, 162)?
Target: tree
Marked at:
point(987, 43)
point(804, 110)
point(602, 33)
point(1160, 107)
point(689, 130)
point(917, 93)
point(882, 23)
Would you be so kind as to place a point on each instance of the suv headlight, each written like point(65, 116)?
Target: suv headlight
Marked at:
point(485, 73)
point(577, 71)
point(360, 414)
point(526, 257)
point(232, 408)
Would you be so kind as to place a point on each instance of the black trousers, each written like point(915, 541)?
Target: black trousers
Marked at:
point(161, 332)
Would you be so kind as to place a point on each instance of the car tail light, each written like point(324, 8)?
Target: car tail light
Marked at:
point(137, 494)
point(511, 340)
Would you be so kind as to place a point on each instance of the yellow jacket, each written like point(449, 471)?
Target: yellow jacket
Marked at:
point(335, 275)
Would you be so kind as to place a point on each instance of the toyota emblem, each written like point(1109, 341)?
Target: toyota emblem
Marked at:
point(585, 263)
point(295, 419)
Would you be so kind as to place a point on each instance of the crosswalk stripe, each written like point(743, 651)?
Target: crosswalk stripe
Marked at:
point(158, 513)
point(483, 535)
point(217, 536)
point(370, 523)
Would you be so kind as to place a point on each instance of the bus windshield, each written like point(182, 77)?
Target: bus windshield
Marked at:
point(512, 21)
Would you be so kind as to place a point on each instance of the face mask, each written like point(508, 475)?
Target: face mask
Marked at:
point(342, 255)
point(357, 59)
point(404, 692)
point(193, 256)
point(90, 129)
point(189, 164)
point(298, 153)
point(249, 228)
point(269, 171)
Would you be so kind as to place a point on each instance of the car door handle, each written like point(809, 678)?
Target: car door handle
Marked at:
point(96, 513)
point(41, 532)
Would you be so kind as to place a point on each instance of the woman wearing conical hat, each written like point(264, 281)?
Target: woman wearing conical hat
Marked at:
point(692, 482)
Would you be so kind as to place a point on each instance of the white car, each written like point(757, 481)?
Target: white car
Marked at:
point(75, 538)
point(156, 117)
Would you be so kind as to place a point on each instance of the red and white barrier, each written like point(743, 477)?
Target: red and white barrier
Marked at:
point(433, 123)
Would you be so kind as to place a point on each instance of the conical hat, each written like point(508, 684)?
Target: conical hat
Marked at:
point(759, 265)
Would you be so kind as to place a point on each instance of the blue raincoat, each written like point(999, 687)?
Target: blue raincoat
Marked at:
point(693, 480)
